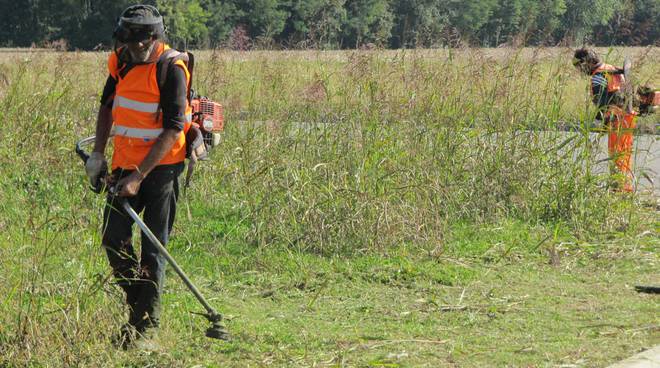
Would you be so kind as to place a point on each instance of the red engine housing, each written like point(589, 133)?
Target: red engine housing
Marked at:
point(208, 115)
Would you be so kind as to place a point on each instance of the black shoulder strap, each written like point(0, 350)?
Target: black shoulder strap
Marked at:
point(191, 66)
point(163, 65)
point(165, 62)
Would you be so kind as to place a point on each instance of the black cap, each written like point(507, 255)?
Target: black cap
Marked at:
point(139, 22)
point(585, 55)
point(141, 15)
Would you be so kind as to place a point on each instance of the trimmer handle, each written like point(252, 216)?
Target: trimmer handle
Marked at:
point(79, 147)
point(100, 184)
point(81, 153)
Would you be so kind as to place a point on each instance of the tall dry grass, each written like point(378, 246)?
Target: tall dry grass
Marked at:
point(365, 150)
point(329, 152)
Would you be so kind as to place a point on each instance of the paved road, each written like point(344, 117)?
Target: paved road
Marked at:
point(647, 162)
point(646, 155)
point(646, 359)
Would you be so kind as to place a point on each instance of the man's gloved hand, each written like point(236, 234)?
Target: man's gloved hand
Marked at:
point(130, 185)
point(95, 165)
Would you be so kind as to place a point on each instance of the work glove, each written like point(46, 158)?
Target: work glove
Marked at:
point(95, 166)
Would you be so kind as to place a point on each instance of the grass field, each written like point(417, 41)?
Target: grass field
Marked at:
point(370, 208)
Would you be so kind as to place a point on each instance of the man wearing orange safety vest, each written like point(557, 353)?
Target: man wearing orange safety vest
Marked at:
point(149, 151)
point(606, 90)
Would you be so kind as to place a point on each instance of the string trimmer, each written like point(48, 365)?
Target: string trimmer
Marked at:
point(217, 330)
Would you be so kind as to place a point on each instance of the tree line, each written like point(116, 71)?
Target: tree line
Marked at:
point(337, 24)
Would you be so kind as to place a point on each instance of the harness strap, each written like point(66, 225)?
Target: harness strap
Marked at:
point(169, 57)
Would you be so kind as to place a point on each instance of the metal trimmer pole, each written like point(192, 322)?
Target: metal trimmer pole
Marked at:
point(217, 330)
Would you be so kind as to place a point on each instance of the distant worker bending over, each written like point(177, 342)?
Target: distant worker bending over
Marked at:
point(607, 94)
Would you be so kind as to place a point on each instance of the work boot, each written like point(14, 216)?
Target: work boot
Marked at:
point(145, 312)
point(147, 340)
point(130, 337)
point(132, 298)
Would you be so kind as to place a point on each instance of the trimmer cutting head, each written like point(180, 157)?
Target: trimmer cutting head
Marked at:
point(217, 329)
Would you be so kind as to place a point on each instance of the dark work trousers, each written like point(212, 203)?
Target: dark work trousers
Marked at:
point(142, 279)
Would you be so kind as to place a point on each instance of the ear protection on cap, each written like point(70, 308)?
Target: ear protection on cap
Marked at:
point(139, 23)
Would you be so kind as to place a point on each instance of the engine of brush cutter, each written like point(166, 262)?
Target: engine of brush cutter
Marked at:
point(208, 117)
point(207, 123)
point(649, 100)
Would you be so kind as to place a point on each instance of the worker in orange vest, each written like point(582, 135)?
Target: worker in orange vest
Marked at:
point(606, 90)
point(148, 157)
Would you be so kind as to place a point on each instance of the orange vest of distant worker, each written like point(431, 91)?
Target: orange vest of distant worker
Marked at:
point(621, 126)
point(614, 80)
point(137, 116)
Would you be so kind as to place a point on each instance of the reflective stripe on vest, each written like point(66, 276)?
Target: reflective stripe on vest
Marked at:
point(142, 107)
point(121, 101)
point(144, 134)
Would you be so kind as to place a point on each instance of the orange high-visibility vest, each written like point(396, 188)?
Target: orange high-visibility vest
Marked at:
point(137, 117)
point(614, 80)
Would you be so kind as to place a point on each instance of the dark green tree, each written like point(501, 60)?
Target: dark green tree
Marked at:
point(636, 23)
point(547, 21)
point(367, 21)
point(86, 24)
point(582, 16)
point(522, 22)
point(185, 22)
point(35, 21)
point(510, 19)
point(223, 16)
point(263, 19)
point(467, 17)
point(316, 23)
point(418, 23)
point(94, 23)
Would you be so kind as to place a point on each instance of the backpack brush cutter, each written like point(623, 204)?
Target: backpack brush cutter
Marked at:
point(202, 136)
